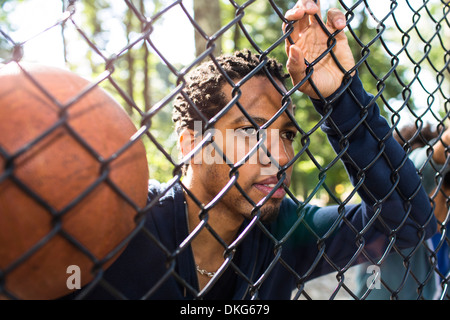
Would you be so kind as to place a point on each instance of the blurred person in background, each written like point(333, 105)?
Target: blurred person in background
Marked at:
point(413, 277)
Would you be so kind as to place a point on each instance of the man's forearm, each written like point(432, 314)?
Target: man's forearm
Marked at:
point(376, 163)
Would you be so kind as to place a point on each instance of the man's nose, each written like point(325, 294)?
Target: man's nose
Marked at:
point(274, 151)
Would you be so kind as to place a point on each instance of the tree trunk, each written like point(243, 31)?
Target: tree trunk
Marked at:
point(146, 57)
point(207, 15)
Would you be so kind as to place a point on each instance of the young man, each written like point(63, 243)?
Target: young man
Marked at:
point(228, 230)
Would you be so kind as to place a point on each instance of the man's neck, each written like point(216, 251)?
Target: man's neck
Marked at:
point(208, 250)
point(217, 219)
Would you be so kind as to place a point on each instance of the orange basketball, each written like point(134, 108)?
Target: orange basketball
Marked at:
point(69, 188)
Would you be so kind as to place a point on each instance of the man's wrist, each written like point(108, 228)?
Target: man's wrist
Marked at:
point(347, 105)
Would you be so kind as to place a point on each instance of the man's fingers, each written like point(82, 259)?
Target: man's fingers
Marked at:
point(302, 8)
point(303, 12)
point(296, 64)
point(336, 19)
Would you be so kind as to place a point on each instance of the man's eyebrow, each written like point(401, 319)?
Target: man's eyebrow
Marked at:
point(243, 119)
point(259, 121)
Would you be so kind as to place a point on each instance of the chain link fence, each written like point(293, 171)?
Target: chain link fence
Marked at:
point(78, 219)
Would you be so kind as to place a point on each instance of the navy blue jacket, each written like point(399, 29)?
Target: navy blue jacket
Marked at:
point(305, 241)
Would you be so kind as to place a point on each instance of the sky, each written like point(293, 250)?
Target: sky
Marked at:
point(33, 16)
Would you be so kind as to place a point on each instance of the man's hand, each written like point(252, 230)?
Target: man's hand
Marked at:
point(310, 41)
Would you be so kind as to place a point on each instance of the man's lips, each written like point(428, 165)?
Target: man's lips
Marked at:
point(267, 185)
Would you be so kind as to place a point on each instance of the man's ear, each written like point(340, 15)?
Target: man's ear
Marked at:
point(186, 141)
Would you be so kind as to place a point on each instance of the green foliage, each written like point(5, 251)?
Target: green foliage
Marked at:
point(143, 78)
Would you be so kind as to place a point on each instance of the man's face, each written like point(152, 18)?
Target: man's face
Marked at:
point(235, 135)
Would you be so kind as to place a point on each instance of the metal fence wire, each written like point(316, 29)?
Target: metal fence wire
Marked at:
point(80, 220)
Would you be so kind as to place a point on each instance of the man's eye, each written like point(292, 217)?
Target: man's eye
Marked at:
point(289, 135)
point(247, 131)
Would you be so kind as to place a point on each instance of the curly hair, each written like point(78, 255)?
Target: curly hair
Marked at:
point(204, 85)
